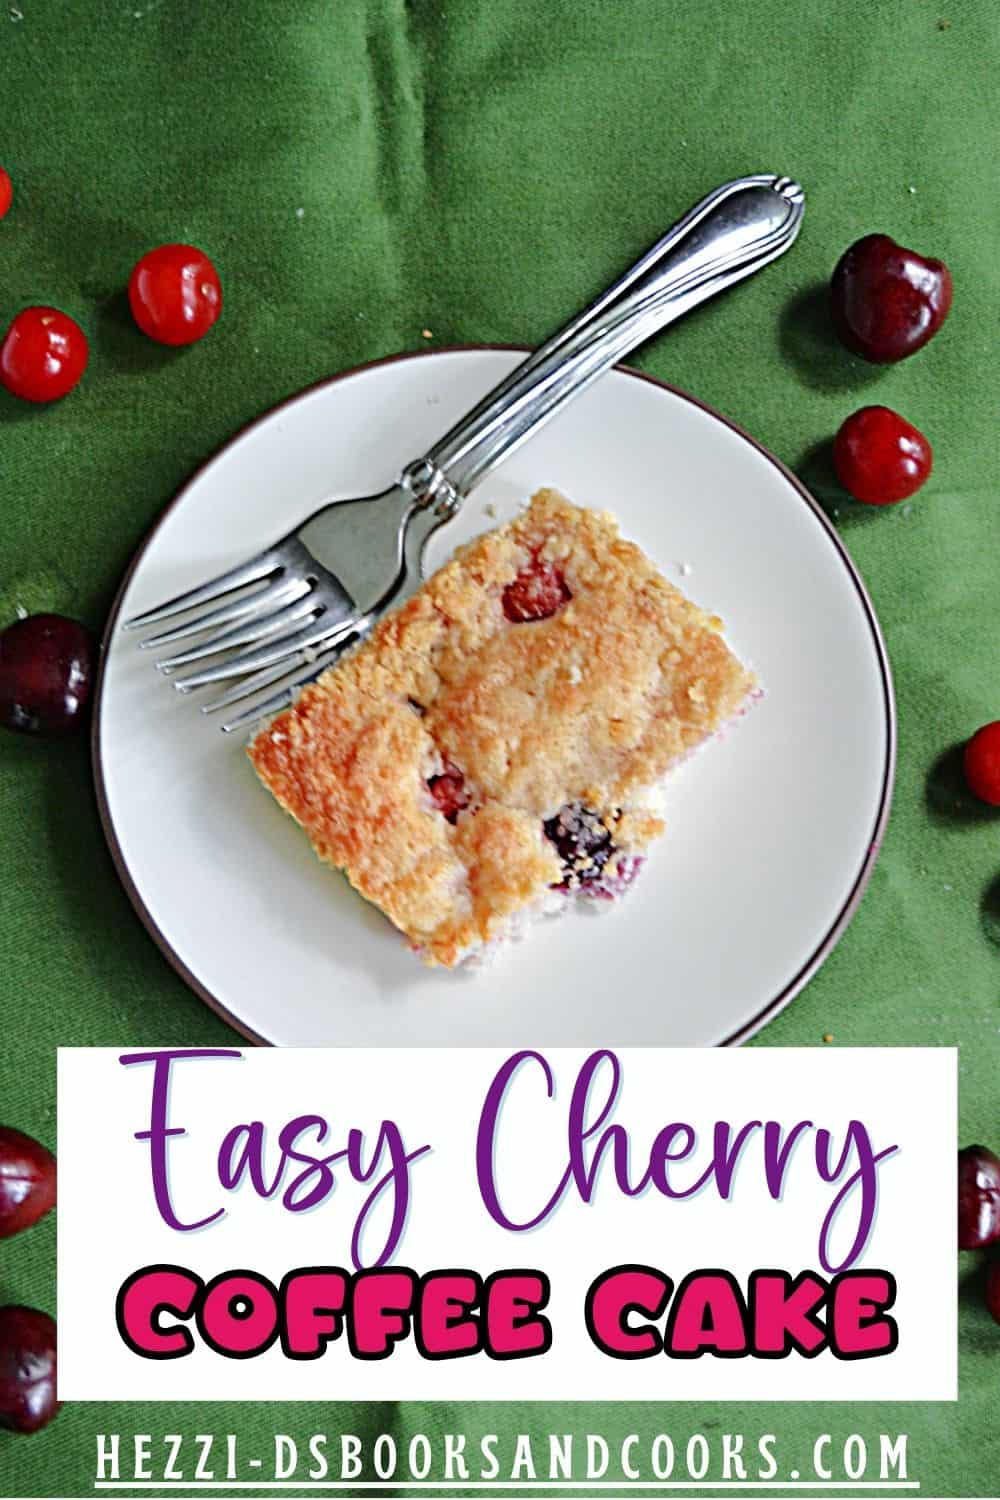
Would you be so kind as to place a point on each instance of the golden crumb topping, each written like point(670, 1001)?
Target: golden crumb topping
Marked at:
point(547, 665)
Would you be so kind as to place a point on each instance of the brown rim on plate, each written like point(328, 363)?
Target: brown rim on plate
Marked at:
point(847, 910)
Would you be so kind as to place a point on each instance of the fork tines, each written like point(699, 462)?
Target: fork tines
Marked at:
point(289, 612)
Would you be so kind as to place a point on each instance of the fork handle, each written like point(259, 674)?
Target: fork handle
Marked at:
point(724, 238)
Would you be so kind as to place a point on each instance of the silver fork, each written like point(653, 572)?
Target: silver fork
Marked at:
point(302, 601)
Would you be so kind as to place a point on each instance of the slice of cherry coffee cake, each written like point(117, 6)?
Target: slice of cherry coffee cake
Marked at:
point(496, 745)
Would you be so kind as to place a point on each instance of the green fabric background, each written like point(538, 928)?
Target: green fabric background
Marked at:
point(479, 168)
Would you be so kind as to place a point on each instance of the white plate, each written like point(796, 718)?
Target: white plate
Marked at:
point(772, 830)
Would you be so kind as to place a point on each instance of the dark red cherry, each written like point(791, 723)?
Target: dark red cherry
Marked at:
point(46, 674)
point(880, 457)
point(536, 593)
point(887, 300)
point(27, 1181)
point(448, 791)
point(27, 1369)
point(582, 842)
point(978, 1198)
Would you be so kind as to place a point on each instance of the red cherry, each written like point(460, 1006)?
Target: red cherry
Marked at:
point(448, 791)
point(6, 192)
point(880, 457)
point(175, 294)
point(887, 300)
point(978, 1198)
point(43, 354)
point(27, 1181)
point(46, 673)
point(536, 593)
point(27, 1369)
point(981, 763)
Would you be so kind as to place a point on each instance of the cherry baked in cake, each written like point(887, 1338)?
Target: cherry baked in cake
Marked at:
point(495, 747)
